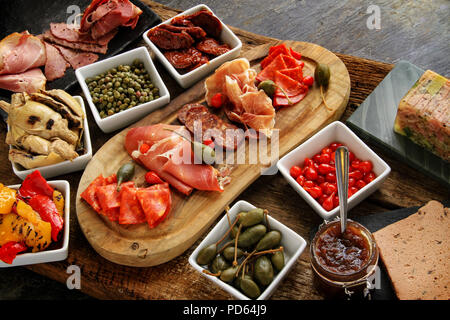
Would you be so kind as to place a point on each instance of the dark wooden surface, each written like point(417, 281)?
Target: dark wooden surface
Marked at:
point(176, 279)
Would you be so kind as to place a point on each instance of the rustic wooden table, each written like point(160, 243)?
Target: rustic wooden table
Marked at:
point(176, 279)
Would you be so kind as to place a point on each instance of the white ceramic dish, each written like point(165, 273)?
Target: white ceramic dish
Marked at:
point(292, 243)
point(126, 117)
point(188, 79)
point(334, 132)
point(67, 166)
point(48, 255)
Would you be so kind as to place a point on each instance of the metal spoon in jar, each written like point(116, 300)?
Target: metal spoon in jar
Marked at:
point(341, 161)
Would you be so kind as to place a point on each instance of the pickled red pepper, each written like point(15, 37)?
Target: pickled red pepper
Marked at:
point(46, 208)
point(9, 251)
point(35, 184)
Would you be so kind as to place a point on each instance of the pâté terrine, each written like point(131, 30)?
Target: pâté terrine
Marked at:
point(424, 114)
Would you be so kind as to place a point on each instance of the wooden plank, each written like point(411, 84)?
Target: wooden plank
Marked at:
point(191, 216)
point(176, 279)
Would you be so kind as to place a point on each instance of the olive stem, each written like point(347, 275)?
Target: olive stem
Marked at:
point(243, 262)
point(226, 233)
point(323, 99)
point(235, 245)
point(268, 251)
point(266, 212)
point(212, 274)
point(226, 245)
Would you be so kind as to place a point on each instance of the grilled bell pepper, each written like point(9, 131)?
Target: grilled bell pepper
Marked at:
point(7, 199)
point(46, 208)
point(58, 199)
point(9, 251)
point(35, 184)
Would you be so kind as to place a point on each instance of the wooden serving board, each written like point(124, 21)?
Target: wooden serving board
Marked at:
point(138, 245)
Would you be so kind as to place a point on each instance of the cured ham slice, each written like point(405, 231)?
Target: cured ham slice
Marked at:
point(72, 33)
point(89, 47)
point(20, 52)
point(30, 81)
point(171, 157)
point(259, 113)
point(103, 16)
point(55, 65)
point(77, 59)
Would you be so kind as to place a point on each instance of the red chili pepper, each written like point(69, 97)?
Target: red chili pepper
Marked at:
point(48, 212)
point(295, 171)
point(328, 204)
point(209, 143)
point(144, 148)
point(152, 178)
point(217, 100)
point(35, 184)
point(9, 251)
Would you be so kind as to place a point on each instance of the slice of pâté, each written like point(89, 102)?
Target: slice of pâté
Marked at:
point(416, 253)
point(424, 114)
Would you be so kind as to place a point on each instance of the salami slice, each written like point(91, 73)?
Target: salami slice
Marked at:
point(130, 210)
point(212, 47)
point(89, 193)
point(185, 58)
point(156, 202)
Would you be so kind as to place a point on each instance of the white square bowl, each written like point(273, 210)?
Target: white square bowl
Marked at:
point(129, 116)
point(334, 132)
point(67, 166)
point(188, 79)
point(292, 243)
point(48, 255)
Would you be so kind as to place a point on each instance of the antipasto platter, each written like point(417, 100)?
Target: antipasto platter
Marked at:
point(191, 215)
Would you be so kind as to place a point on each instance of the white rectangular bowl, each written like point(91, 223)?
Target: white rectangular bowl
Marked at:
point(48, 255)
point(186, 80)
point(292, 243)
point(67, 166)
point(129, 116)
point(334, 132)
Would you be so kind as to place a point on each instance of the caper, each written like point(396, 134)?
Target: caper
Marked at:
point(250, 288)
point(263, 270)
point(251, 235)
point(207, 254)
point(322, 75)
point(278, 260)
point(269, 241)
point(229, 274)
point(218, 264)
point(252, 217)
point(268, 86)
point(228, 253)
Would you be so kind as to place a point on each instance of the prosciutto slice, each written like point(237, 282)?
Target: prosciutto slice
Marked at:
point(30, 81)
point(171, 157)
point(20, 52)
point(72, 33)
point(77, 59)
point(103, 16)
point(55, 65)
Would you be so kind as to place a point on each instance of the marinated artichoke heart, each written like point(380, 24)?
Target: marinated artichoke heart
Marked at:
point(44, 128)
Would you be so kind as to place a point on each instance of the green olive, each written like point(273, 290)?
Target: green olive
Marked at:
point(252, 217)
point(322, 75)
point(229, 274)
point(250, 288)
point(207, 254)
point(278, 260)
point(268, 86)
point(270, 240)
point(218, 264)
point(263, 270)
point(251, 236)
point(228, 253)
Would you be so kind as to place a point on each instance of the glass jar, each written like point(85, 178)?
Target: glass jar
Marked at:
point(343, 264)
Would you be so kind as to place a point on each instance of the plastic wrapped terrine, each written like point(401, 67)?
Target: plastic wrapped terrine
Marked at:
point(424, 114)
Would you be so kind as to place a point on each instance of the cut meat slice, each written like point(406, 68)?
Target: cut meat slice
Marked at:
point(55, 65)
point(77, 59)
point(259, 113)
point(268, 73)
point(290, 86)
point(89, 194)
point(109, 199)
point(289, 61)
point(88, 47)
point(156, 202)
point(212, 47)
point(294, 73)
point(130, 210)
point(29, 81)
point(71, 33)
point(20, 52)
point(282, 101)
